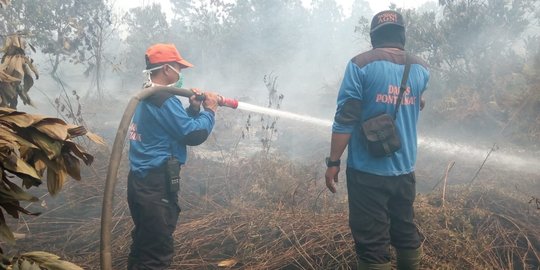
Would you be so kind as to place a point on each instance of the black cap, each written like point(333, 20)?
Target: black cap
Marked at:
point(386, 17)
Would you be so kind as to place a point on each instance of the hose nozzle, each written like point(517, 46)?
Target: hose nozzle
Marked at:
point(227, 102)
point(222, 101)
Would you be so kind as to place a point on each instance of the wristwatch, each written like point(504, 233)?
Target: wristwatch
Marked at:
point(332, 163)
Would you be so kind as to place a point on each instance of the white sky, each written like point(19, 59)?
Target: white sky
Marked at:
point(376, 5)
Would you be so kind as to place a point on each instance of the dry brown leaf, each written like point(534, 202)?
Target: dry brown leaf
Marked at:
point(60, 265)
point(21, 168)
point(40, 166)
point(228, 263)
point(73, 166)
point(20, 120)
point(54, 130)
point(79, 152)
point(40, 256)
point(13, 66)
point(8, 90)
point(95, 138)
point(29, 182)
point(33, 68)
point(52, 148)
point(55, 180)
point(76, 131)
point(5, 77)
point(9, 135)
point(49, 164)
point(43, 119)
point(19, 236)
point(5, 110)
point(5, 232)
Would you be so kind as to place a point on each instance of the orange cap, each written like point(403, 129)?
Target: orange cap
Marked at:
point(165, 53)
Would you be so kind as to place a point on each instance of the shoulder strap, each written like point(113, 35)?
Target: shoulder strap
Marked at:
point(403, 84)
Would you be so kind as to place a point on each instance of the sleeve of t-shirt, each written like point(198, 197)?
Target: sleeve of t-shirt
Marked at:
point(350, 90)
point(175, 120)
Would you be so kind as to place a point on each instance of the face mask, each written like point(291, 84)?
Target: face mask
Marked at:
point(180, 82)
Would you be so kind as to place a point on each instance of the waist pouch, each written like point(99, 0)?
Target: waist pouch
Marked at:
point(173, 175)
point(382, 136)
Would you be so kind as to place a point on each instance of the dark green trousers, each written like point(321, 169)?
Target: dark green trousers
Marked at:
point(381, 214)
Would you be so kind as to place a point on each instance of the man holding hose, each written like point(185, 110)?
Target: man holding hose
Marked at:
point(159, 134)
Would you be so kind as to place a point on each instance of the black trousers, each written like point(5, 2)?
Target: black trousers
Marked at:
point(155, 212)
point(381, 214)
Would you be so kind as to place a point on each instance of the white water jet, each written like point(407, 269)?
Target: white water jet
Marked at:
point(518, 160)
point(293, 116)
point(510, 159)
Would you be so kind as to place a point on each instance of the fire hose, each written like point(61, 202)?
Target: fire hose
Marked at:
point(116, 157)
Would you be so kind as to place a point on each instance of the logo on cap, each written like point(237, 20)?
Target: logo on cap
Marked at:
point(387, 17)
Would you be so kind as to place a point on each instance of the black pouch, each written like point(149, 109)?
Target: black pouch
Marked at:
point(173, 175)
point(382, 136)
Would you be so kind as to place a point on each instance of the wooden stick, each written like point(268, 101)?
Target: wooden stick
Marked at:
point(450, 166)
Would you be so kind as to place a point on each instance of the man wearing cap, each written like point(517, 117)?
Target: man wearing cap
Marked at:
point(381, 190)
point(159, 133)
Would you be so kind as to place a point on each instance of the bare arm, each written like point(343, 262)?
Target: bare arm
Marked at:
point(338, 144)
point(337, 147)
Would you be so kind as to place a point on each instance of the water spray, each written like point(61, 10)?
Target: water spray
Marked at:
point(116, 157)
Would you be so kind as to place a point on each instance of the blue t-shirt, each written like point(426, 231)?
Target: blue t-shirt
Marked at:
point(160, 129)
point(374, 78)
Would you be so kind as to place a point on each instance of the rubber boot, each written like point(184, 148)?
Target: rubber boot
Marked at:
point(374, 266)
point(408, 259)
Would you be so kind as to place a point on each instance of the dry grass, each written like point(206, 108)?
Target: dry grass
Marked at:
point(267, 215)
point(267, 212)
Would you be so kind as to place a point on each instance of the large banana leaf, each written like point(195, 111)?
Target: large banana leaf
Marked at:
point(36, 147)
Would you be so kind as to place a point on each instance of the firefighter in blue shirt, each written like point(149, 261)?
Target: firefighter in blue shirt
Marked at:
point(159, 133)
point(381, 190)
